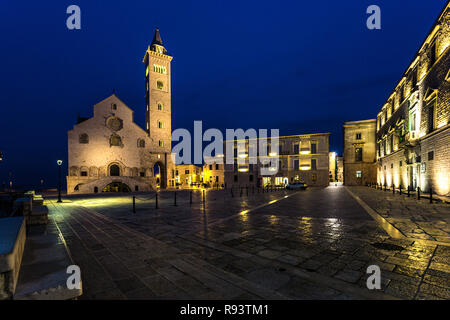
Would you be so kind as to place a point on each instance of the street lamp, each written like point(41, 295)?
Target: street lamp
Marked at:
point(59, 162)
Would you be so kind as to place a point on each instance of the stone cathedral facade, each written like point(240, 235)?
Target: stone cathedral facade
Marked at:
point(110, 152)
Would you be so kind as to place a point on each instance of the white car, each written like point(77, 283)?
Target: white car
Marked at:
point(296, 185)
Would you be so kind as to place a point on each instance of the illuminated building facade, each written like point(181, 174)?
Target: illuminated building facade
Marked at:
point(213, 175)
point(359, 152)
point(413, 130)
point(187, 175)
point(301, 158)
point(110, 152)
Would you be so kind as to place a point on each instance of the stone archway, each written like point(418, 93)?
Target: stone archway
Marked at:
point(116, 186)
point(159, 172)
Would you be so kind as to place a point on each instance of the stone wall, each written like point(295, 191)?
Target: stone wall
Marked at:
point(359, 134)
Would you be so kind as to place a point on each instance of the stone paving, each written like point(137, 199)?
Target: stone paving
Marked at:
point(418, 219)
point(313, 244)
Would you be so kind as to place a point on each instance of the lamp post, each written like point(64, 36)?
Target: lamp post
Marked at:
point(59, 162)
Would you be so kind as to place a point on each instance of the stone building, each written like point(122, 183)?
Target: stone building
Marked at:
point(187, 175)
point(213, 174)
point(413, 130)
point(301, 158)
point(340, 169)
point(333, 167)
point(359, 152)
point(110, 152)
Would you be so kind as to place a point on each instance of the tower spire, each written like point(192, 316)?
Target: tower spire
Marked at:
point(157, 44)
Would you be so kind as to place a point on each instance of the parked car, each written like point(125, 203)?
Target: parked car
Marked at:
point(296, 185)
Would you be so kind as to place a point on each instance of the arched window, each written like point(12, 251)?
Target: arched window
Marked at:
point(114, 170)
point(161, 143)
point(115, 140)
point(83, 138)
point(160, 106)
point(159, 84)
point(160, 124)
point(141, 143)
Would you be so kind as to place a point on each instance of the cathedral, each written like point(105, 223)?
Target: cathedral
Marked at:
point(110, 152)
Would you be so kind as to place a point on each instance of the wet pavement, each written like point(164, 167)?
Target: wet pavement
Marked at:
point(313, 244)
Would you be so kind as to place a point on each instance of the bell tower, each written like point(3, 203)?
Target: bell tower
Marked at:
point(158, 95)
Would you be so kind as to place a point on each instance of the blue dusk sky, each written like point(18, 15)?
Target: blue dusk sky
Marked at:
point(298, 66)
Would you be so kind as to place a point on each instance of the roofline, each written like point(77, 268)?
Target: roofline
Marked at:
point(291, 136)
point(347, 123)
point(416, 55)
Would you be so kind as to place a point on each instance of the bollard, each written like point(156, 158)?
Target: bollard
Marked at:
point(156, 202)
point(431, 195)
point(393, 189)
point(134, 204)
point(247, 191)
point(190, 197)
point(385, 186)
point(204, 197)
point(409, 187)
point(175, 198)
point(400, 189)
point(240, 191)
point(418, 193)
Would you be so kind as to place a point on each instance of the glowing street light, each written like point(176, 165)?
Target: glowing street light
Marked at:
point(59, 162)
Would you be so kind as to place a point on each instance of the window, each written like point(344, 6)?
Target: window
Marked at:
point(400, 163)
point(160, 106)
point(296, 165)
point(159, 84)
point(402, 94)
point(250, 178)
point(235, 167)
point(358, 174)
point(186, 171)
point(84, 173)
point(430, 155)
point(414, 78)
point(115, 140)
point(392, 166)
point(217, 178)
point(235, 178)
point(161, 143)
point(313, 164)
point(83, 138)
point(432, 53)
point(250, 167)
point(114, 106)
point(313, 148)
point(358, 154)
point(296, 149)
point(217, 166)
point(142, 174)
point(160, 124)
point(210, 167)
point(431, 116)
point(159, 69)
point(358, 136)
point(114, 170)
point(141, 143)
point(314, 177)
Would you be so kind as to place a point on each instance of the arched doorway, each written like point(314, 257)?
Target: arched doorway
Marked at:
point(114, 170)
point(116, 187)
point(160, 174)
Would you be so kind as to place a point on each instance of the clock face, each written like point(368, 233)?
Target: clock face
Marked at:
point(114, 123)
